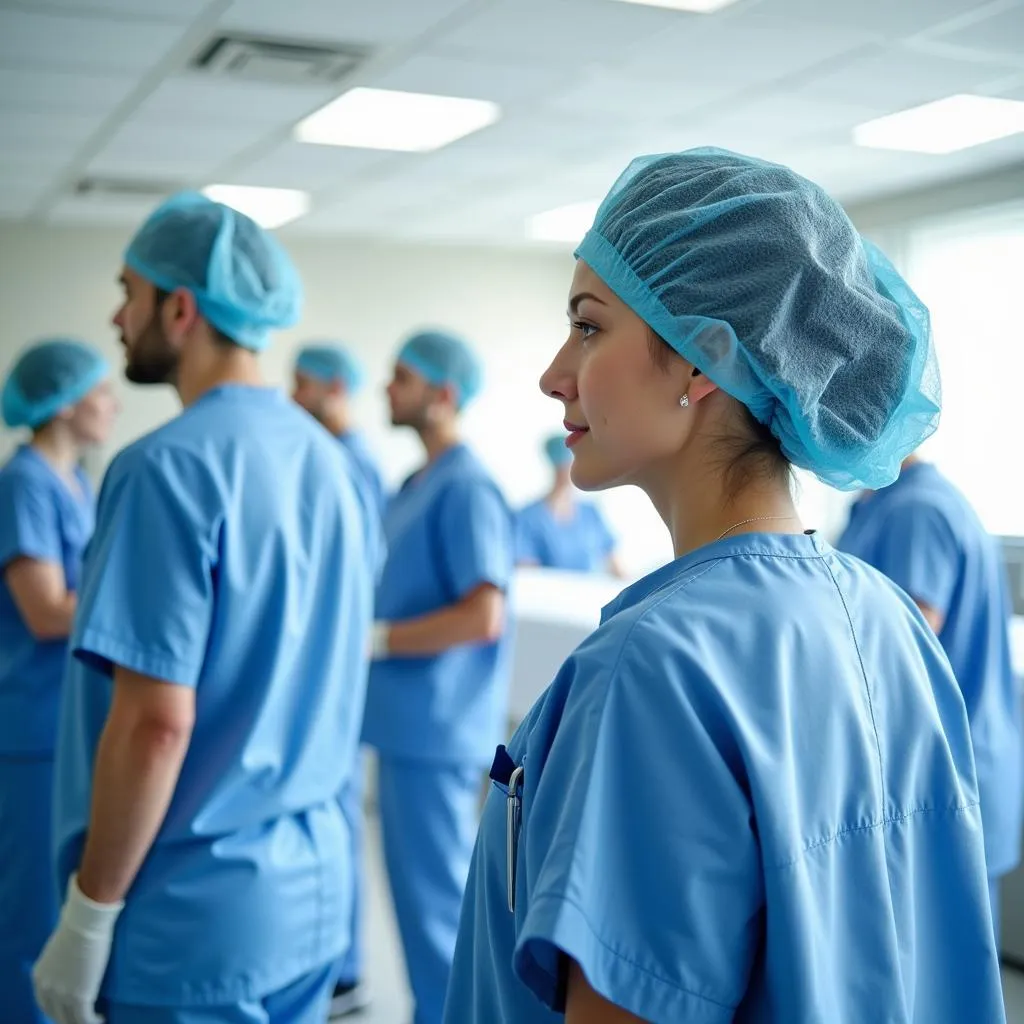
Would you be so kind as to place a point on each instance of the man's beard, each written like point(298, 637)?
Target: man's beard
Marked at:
point(152, 360)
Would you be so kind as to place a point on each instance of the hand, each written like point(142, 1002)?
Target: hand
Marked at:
point(68, 974)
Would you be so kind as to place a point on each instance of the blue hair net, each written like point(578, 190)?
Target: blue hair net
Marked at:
point(47, 377)
point(555, 450)
point(244, 282)
point(444, 358)
point(758, 278)
point(329, 362)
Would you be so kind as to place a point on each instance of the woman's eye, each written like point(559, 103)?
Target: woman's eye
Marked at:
point(586, 330)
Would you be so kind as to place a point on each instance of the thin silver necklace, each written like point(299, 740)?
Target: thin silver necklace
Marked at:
point(754, 519)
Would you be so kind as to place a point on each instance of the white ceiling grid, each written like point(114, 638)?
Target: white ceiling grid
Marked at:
point(101, 88)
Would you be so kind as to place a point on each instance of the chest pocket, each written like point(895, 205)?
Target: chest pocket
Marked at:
point(509, 777)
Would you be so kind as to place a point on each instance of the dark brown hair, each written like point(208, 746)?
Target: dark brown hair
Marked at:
point(752, 454)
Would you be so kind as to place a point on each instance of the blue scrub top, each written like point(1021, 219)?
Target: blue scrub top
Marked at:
point(367, 470)
point(230, 555)
point(922, 533)
point(447, 530)
point(748, 796)
point(41, 518)
point(582, 543)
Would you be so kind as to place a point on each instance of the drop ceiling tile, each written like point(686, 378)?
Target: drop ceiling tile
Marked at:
point(1001, 34)
point(899, 77)
point(502, 82)
point(18, 128)
point(312, 168)
point(66, 43)
point(379, 22)
point(755, 47)
point(895, 19)
point(565, 32)
point(15, 203)
point(90, 210)
point(195, 99)
point(146, 148)
point(180, 12)
point(48, 92)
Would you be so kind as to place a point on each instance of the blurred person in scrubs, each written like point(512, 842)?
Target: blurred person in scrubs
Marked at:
point(59, 390)
point(211, 709)
point(327, 376)
point(925, 536)
point(750, 794)
point(437, 698)
point(560, 531)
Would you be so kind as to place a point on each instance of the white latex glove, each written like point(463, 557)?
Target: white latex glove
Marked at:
point(68, 974)
point(379, 637)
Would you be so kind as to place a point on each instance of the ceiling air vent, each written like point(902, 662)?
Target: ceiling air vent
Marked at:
point(125, 188)
point(281, 61)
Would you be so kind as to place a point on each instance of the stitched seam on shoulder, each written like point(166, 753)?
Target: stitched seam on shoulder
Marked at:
point(895, 819)
point(625, 959)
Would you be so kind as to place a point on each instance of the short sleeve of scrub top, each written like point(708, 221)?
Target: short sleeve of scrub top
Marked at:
point(148, 599)
point(918, 551)
point(29, 521)
point(476, 537)
point(655, 891)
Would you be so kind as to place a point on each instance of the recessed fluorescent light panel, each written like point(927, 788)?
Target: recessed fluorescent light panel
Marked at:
point(408, 122)
point(692, 6)
point(945, 126)
point(269, 207)
point(563, 224)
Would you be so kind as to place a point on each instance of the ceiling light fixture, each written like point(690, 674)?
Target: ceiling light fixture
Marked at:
point(409, 122)
point(564, 223)
point(269, 207)
point(944, 126)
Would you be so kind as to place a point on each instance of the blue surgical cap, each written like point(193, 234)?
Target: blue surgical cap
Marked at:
point(556, 451)
point(330, 362)
point(244, 282)
point(444, 358)
point(758, 278)
point(47, 377)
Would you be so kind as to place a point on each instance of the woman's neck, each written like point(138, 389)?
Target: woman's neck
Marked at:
point(700, 507)
point(57, 446)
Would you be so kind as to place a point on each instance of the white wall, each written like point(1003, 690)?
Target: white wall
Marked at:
point(511, 304)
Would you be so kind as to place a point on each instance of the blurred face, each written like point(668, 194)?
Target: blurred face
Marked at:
point(312, 394)
point(411, 398)
point(150, 358)
point(92, 419)
point(621, 410)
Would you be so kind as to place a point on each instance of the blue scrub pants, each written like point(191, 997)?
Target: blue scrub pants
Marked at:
point(28, 887)
point(302, 1002)
point(349, 969)
point(429, 815)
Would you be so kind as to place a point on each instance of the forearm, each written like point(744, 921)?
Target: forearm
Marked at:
point(477, 619)
point(54, 621)
point(135, 774)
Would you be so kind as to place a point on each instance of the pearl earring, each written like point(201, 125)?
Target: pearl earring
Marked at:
point(684, 401)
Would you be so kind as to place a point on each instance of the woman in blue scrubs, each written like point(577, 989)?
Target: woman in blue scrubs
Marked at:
point(750, 794)
point(58, 389)
point(560, 531)
point(925, 536)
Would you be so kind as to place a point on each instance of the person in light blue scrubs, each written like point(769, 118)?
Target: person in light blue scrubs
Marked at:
point(560, 531)
point(327, 376)
point(59, 390)
point(210, 714)
point(437, 699)
point(750, 794)
point(923, 534)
